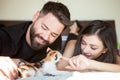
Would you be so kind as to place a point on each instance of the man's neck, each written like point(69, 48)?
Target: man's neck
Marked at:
point(28, 36)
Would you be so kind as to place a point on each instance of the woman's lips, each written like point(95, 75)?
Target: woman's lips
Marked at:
point(88, 56)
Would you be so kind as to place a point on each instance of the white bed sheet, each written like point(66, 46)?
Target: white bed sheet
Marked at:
point(79, 76)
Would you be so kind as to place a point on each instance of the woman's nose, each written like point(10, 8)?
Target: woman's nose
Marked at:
point(86, 49)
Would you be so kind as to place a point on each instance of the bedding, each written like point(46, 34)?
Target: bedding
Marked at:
point(79, 76)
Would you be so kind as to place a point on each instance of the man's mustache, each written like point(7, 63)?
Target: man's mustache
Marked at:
point(47, 42)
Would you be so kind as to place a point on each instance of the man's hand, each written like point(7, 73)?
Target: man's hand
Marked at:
point(8, 69)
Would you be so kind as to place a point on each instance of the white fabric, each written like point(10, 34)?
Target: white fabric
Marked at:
point(79, 76)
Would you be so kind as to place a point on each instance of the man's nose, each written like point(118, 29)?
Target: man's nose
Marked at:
point(47, 35)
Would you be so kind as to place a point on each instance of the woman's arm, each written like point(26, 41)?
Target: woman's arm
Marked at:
point(81, 63)
point(100, 66)
point(69, 47)
point(68, 52)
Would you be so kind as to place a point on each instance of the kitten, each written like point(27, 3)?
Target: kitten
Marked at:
point(45, 67)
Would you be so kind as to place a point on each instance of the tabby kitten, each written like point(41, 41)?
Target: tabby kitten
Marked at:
point(45, 67)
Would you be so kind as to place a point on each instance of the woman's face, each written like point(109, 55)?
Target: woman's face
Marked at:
point(92, 46)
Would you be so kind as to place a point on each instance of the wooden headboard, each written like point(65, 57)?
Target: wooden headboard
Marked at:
point(65, 32)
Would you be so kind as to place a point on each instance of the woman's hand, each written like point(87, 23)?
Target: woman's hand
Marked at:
point(74, 28)
point(8, 68)
point(78, 63)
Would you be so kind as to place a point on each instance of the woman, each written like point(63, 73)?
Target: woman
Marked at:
point(95, 49)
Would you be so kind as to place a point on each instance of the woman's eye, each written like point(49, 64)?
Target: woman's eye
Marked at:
point(83, 43)
point(93, 48)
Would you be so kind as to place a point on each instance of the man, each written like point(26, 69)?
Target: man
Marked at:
point(30, 40)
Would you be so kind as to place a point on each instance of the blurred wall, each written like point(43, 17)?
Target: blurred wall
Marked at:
point(80, 9)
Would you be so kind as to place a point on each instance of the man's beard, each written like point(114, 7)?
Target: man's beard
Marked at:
point(34, 44)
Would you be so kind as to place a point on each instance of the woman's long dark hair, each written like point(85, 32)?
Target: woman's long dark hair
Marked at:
point(106, 33)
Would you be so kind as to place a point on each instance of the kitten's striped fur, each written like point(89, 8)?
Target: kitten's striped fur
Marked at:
point(46, 66)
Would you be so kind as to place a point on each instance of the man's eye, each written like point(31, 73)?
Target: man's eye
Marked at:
point(54, 35)
point(43, 27)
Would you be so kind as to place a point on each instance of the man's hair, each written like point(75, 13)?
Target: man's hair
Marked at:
point(59, 10)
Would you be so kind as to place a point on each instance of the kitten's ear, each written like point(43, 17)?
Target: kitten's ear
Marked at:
point(49, 49)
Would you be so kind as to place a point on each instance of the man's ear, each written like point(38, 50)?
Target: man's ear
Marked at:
point(36, 15)
point(49, 49)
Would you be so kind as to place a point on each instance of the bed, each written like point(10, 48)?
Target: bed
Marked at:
point(79, 76)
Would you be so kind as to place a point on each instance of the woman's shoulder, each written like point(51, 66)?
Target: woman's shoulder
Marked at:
point(118, 57)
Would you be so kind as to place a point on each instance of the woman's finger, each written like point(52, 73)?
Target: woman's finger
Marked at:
point(72, 63)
